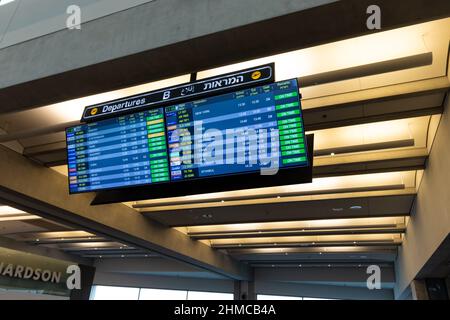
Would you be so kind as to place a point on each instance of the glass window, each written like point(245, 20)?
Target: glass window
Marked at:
point(114, 293)
point(124, 293)
point(271, 297)
point(309, 298)
point(157, 294)
point(199, 295)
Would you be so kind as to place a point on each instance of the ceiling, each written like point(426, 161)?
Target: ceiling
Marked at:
point(374, 122)
point(33, 230)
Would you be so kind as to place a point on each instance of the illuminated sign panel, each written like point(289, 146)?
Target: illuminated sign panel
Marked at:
point(194, 90)
point(126, 151)
point(248, 131)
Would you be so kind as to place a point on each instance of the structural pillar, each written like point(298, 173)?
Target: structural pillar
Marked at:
point(244, 290)
point(419, 290)
point(87, 279)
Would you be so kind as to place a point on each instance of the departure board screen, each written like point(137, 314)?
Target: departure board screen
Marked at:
point(126, 151)
point(258, 129)
point(250, 130)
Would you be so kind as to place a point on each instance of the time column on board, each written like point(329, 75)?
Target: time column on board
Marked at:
point(157, 146)
point(180, 134)
point(290, 126)
point(76, 143)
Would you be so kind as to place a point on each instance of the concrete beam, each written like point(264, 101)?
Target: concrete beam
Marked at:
point(348, 275)
point(168, 38)
point(43, 251)
point(148, 266)
point(42, 191)
point(322, 291)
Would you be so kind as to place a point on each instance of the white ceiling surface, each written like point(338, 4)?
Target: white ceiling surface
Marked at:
point(421, 38)
point(22, 20)
point(430, 37)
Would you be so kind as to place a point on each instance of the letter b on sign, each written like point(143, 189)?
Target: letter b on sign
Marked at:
point(166, 95)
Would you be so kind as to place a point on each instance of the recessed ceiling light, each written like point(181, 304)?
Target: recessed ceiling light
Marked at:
point(37, 240)
point(355, 207)
point(320, 252)
point(122, 256)
point(329, 266)
point(100, 257)
point(278, 197)
point(332, 154)
point(300, 265)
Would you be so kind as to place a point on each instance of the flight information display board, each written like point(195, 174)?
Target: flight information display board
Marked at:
point(126, 151)
point(240, 129)
point(234, 133)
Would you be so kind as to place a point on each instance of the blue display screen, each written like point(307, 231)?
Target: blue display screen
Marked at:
point(258, 129)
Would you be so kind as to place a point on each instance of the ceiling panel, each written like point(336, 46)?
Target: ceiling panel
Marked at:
point(393, 205)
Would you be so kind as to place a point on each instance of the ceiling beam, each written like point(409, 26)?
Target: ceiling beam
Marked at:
point(408, 62)
point(42, 251)
point(301, 29)
point(373, 204)
point(42, 191)
point(405, 100)
point(298, 232)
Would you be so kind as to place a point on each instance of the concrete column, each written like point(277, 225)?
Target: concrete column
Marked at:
point(87, 279)
point(419, 290)
point(447, 282)
point(244, 290)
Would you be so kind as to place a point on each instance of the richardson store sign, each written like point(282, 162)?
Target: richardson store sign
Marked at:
point(25, 271)
point(29, 273)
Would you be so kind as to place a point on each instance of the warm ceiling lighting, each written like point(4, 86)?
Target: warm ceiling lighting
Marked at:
point(322, 186)
point(383, 46)
point(401, 133)
point(12, 214)
point(6, 211)
point(56, 236)
point(298, 225)
point(72, 110)
point(314, 240)
point(320, 251)
point(3, 2)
